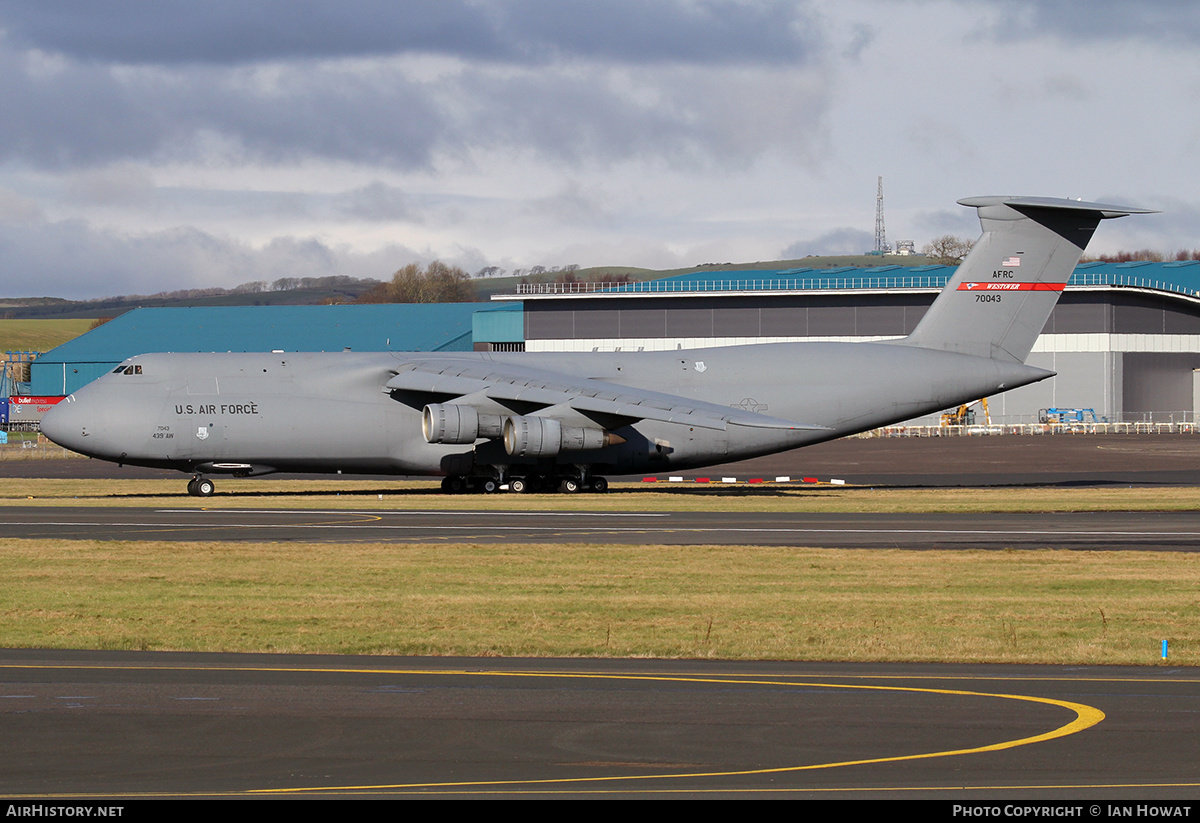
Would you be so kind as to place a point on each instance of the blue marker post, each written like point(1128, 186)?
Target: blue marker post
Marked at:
point(1164, 657)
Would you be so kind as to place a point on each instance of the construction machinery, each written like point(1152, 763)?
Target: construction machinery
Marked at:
point(964, 415)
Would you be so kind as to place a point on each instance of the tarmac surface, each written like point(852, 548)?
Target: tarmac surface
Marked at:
point(1092, 531)
point(1061, 459)
point(83, 725)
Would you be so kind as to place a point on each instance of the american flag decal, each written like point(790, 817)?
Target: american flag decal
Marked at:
point(1011, 263)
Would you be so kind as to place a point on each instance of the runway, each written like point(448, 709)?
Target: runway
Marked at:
point(120, 724)
point(1010, 460)
point(1093, 531)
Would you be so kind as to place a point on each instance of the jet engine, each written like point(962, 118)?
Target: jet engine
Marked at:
point(546, 437)
point(457, 424)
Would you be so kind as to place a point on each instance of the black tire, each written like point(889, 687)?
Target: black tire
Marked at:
point(191, 487)
point(599, 485)
point(488, 486)
point(569, 485)
point(205, 487)
point(518, 485)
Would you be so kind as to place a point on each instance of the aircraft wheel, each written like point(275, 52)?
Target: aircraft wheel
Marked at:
point(569, 485)
point(599, 485)
point(454, 484)
point(488, 486)
point(205, 487)
point(518, 485)
point(191, 487)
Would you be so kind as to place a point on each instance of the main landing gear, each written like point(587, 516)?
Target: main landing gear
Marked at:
point(458, 484)
point(201, 487)
point(571, 485)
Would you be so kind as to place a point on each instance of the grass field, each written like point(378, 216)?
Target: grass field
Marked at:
point(739, 602)
point(39, 335)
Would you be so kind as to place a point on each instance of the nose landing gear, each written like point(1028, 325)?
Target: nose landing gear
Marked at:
point(201, 487)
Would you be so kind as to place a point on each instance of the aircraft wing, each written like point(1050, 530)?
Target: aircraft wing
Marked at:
point(505, 382)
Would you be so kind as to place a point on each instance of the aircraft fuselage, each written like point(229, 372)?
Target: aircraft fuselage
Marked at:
point(329, 412)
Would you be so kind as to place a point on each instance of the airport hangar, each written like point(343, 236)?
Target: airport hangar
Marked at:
point(373, 327)
point(1124, 338)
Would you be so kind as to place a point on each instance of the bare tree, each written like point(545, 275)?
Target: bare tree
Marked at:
point(948, 250)
point(436, 283)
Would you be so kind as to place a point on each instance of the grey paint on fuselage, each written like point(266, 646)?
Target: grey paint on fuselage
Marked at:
point(362, 412)
point(326, 413)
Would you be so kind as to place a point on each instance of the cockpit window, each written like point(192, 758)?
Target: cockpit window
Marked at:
point(127, 370)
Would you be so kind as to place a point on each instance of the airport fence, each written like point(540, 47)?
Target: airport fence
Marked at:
point(830, 282)
point(36, 447)
point(1033, 429)
point(32, 446)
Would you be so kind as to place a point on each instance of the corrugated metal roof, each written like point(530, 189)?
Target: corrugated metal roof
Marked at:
point(1178, 276)
point(384, 327)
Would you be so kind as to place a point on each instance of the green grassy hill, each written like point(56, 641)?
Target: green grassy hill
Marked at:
point(40, 335)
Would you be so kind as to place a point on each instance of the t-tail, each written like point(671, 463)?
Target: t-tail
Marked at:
point(1001, 296)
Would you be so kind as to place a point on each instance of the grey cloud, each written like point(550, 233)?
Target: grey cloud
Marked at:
point(75, 260)
point(377, 202)
point(242, 31)
point(1176, 227)
point(237, 31)
point(80, 116)
point(862, 37)
point(683, 117)
point(961, 222)
point(15, 208)
point(572, 205)
point(121, 185)
point(838, 241)
point(636, 31)
point(1158, 20)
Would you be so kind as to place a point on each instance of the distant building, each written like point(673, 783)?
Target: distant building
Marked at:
point(1124, 338)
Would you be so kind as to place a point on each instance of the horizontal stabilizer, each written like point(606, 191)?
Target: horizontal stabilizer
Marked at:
point(998, 301)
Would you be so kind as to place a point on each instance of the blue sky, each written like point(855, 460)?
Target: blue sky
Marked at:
point(149, 145)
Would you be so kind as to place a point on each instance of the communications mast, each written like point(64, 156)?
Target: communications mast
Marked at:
point(881, 246)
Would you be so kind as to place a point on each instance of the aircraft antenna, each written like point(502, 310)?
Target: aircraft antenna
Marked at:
point(881, 246)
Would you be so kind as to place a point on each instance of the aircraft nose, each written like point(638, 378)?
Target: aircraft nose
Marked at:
point(66, 426)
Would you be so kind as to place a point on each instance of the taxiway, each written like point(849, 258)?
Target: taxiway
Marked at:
point(120, 724)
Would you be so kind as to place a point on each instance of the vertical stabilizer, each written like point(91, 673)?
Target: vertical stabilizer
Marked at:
point(1001, 296)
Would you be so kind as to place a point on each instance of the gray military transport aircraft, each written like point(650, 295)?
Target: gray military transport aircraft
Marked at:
point(538, 421)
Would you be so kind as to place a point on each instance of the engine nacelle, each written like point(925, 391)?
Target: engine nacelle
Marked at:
point(546, 437)
point(457, 424)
